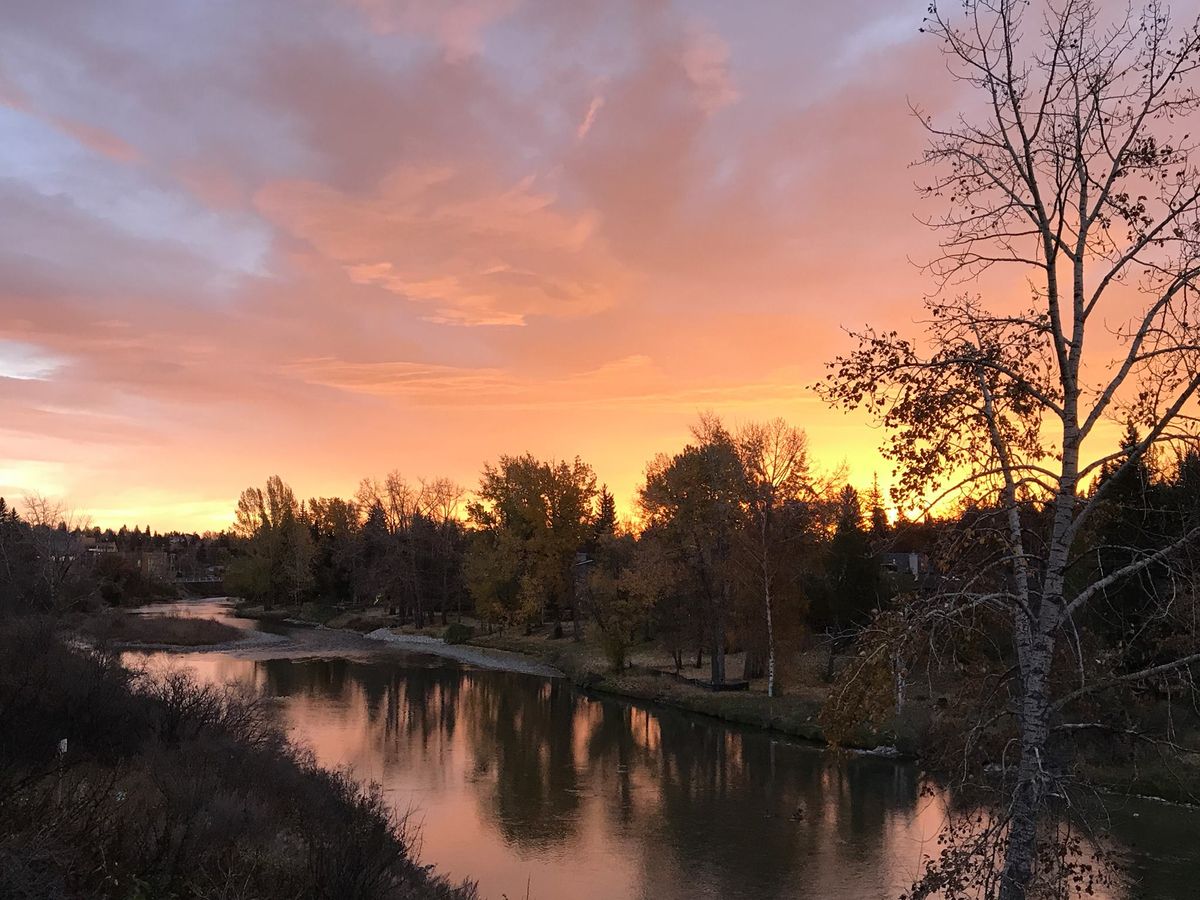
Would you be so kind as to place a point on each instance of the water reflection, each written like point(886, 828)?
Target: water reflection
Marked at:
point(523, 781)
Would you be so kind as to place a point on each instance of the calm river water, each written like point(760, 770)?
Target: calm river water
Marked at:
point(536, 790)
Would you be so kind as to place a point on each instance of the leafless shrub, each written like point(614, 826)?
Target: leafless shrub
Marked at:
point(171, 788)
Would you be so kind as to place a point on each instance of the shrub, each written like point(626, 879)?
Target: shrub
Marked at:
point(174, 789)
point(457, 633)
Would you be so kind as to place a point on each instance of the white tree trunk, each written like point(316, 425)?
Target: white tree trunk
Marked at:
point(1032, 778)
point(770, 644)
point(766, 571)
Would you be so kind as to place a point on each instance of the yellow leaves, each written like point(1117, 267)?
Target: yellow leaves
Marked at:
point(863, 695)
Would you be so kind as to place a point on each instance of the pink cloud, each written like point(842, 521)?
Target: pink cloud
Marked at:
point(705, 59)
point(213, 186)
point(589, 118)
point(457, 25)
point(472, 251)
point(98, 140)
point(633, 380)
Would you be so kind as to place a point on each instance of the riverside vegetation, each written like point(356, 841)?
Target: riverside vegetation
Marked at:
point(161, 787)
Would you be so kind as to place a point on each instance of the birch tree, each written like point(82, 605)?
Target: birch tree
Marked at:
point(775, 460)
point(1073, 166)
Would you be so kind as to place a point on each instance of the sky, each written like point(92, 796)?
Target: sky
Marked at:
point(332, 238)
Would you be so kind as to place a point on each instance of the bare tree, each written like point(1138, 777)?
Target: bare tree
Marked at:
point(443, 505)
point(775, 460)
point(398, 499)
point(1076, 169)
point(402, 503)
point(53, 529)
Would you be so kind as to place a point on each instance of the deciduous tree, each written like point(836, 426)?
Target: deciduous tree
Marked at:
point(774, 459)
point(533, 519)
point(1074, 165)
point(694, 502)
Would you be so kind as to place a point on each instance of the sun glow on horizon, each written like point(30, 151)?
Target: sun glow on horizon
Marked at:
point(475, 240)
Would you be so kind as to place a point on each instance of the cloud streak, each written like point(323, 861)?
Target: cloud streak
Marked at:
point(474, 252)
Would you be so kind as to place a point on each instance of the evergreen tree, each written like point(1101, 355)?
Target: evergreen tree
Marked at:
point(852, 569)
point(880, 528)
point(606, 513)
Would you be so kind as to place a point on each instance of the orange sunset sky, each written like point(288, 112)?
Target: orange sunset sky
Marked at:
point(329, 239)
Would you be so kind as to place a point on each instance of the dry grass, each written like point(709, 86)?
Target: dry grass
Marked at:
point(117, 627)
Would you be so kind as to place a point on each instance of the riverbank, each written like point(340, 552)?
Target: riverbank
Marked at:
point(118, 785)
point(163, 627)
point(472, 656)
point(1136, 771)
point(1172, 778)
point(794, 715)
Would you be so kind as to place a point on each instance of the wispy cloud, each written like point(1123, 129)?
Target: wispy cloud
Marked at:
point(633, 382)
point(24, 361)
point(474, 252)
point(589, 118)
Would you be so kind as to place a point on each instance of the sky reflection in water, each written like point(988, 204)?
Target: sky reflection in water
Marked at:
point(519, 781)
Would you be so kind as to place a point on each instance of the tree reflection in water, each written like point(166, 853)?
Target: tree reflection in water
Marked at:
point(517, 778)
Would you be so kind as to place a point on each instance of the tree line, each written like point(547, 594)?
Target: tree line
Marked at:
point(737, 543)
point(394, 543)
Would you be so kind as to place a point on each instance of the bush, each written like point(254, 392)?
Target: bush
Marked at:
point(173, 789)
point(616, 644)
point(457, 633)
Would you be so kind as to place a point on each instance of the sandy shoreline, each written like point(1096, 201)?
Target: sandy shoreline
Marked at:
point(474, 656)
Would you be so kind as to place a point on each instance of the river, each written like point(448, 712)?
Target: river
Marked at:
point(539, 791)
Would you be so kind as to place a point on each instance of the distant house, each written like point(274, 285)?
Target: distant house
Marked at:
point(907, 563)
